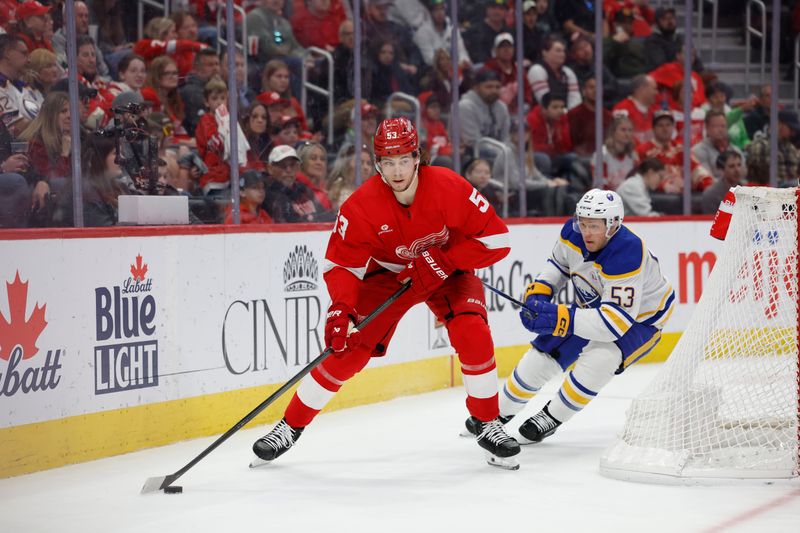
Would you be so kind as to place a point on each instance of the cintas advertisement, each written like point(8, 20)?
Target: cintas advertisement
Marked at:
point(99, 324)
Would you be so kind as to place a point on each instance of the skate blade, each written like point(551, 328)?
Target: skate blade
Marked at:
point(258, 462)
point(465, 433)
point(507, 463)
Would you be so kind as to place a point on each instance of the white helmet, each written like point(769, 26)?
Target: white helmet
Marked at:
point(606, 205)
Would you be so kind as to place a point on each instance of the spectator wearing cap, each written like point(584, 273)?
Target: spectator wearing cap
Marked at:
point(730, 172)
point(639, 107)
point(437, 140)
point(619, 152)
point(532, 35)
point(316, 23)
point(576, 16)
point(503, 62)
point(643, 16)
point(256, 126)
point(481, 111)
point(378, 27)
point(252, 193)
point(277, 107)
point(276, 79)
point(581, 120)
point(275, 38)
point(17, 100)
point(286, 131)
point(716, 141)
point(161, 90)
point(788, 154)
point(669, 74)
point(49, 151)
point(343, 61)
point(81, 28)
point(132, 71)
point(205, 66)
point(436, 32)
point(550, 74)
point(314, 170)
point(288, 200)
point(370, 116)
point(623, 54)
point(386, 76)
point(480, 37)
point(42, 72)
point(670, 152)
point(161, 39)
point(34, 23)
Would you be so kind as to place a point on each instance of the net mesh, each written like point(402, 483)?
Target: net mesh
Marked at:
point(725, 405)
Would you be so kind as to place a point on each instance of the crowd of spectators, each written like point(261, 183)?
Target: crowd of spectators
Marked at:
point(170, 87)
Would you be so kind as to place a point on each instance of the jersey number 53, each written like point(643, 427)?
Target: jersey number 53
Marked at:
point(341, 225)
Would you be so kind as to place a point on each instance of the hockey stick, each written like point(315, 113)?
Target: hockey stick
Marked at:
point(509, 298)
point(165, 482)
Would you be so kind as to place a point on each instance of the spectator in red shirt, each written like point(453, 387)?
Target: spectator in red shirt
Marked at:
point(132, 75)
point(581, 120)
point(438, 144)
point(668, 74)
point(550, 136)
point(503, 62)
point(162, 39)
point(210, 144)
point(670, 152)
point(252, 193)
point(316, 23)
point(34, 23)
point(639, 107)
point(161, 90)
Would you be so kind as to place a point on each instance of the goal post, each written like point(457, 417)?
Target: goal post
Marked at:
point(726, 404)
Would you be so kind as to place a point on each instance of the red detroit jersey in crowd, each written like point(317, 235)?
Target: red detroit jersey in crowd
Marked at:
point(374, 231)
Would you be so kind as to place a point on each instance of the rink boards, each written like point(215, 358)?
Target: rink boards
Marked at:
point(120, 339)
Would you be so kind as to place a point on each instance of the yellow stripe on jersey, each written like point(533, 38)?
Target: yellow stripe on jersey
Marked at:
point(571, 245)
point(574, 395)
point(663, 301)
point(643, 349)
point(516, 391)
point(619, 321)
point(626, 274)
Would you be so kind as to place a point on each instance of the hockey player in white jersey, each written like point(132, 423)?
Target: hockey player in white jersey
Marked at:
point(622, 302)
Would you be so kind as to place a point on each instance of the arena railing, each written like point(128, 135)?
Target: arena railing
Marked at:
point(163, 6)
point(714, 21)
point(306, 86)
point(751, 30)
point(222, 41)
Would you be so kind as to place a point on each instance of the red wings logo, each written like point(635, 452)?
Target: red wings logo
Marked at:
point(139, 270)
point(422, 244)
point(17, 330)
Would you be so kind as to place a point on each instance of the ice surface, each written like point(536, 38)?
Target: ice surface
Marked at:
point(397, 466)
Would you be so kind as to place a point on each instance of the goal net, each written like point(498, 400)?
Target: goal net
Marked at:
point(725, 404)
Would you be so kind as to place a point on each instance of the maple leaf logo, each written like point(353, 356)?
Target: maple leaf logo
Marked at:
point(17, 331)
point(139, 270)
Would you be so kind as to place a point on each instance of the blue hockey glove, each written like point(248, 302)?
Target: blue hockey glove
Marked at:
point(538, 292)
point(547, 318)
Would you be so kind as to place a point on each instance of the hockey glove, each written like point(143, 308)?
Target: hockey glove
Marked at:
point(547, 318)
point(427, 271)
point(538, 292)
point(339, 330)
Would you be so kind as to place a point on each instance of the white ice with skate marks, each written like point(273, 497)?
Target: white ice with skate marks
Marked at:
point(393, 466)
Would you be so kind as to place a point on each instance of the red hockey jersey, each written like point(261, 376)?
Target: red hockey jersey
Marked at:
point(374, 231)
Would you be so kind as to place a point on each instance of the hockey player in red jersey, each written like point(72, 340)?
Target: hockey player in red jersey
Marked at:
point(408, 221)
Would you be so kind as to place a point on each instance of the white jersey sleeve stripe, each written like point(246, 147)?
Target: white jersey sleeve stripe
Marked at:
point(495, 242)
point(358, 272)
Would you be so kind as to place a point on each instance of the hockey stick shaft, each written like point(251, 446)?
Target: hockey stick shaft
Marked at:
point(152, 484)
point(507, 297)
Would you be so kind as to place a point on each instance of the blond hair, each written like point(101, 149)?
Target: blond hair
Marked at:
point(46, 124)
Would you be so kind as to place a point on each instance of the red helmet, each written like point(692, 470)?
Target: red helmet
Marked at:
point(396, 136)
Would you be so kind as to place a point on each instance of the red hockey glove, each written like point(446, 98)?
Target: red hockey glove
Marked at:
point(339, 332)
point(427, 271)
point(722, 220)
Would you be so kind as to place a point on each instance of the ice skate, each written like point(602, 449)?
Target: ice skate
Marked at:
point(500, 448)
point(538, 427)
point(275, 443)
point(472, 425)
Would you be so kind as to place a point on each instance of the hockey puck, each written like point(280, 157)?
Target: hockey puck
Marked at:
point(173, 489)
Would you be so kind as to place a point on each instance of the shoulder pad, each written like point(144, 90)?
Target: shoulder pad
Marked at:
point(623, 256)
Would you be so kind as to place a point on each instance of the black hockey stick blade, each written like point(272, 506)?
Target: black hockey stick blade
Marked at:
point(157, 483)
point(509, 298)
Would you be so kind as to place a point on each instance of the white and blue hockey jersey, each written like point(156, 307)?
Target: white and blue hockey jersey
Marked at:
point(616, 287)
